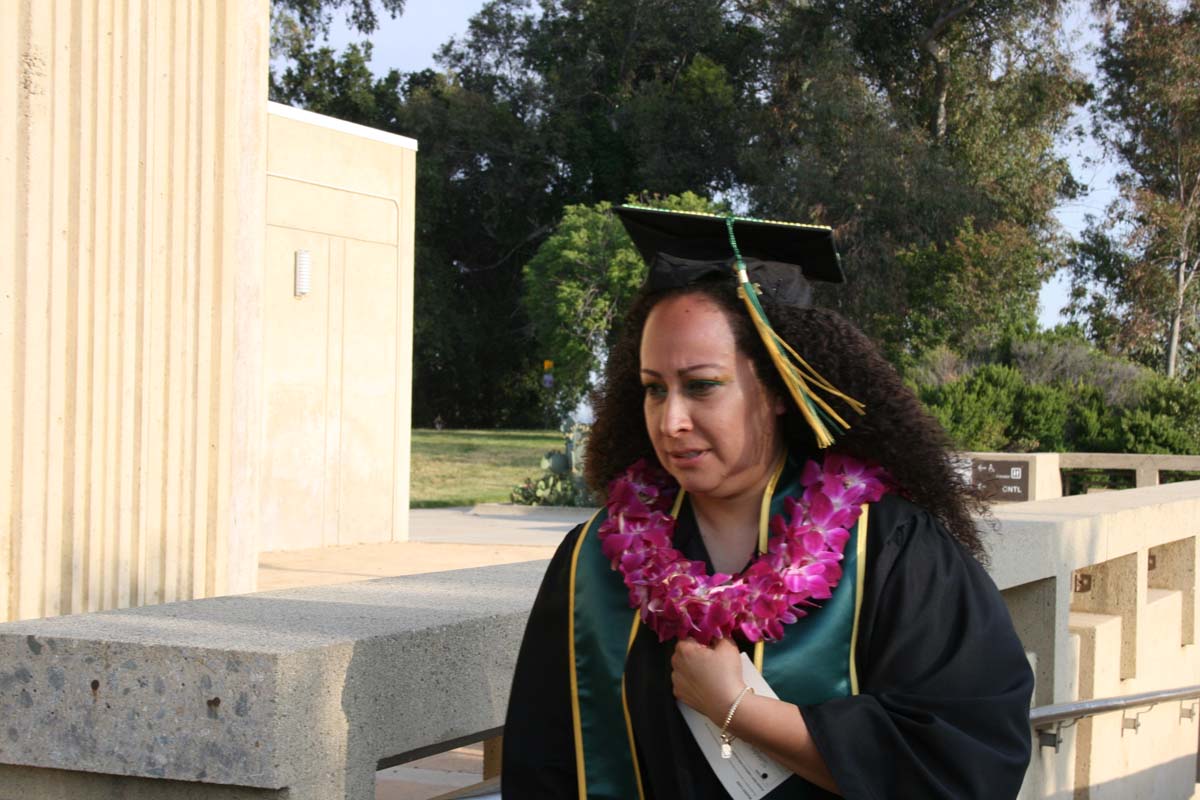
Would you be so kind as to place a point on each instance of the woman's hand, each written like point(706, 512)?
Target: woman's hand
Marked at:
point(709, 678)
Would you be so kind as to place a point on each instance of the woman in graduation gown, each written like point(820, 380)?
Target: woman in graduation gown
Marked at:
point(772, 488)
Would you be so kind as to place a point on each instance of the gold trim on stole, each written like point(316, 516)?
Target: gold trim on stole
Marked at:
point(637, 771)
point(678, 504)
point(860, 568)
point(764, 533)
point(576, 718)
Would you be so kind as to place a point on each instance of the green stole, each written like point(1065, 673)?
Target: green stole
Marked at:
point(813, 663)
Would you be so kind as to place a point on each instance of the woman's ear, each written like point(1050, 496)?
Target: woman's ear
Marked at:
point(780, 406)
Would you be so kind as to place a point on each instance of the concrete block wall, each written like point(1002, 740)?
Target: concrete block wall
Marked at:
point(1051, 772)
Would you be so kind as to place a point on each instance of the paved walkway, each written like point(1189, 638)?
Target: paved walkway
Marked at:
point(493, 523)
point(441, 539)
point(430, 777)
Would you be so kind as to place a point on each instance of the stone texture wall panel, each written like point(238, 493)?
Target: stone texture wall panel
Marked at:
point(134, 138)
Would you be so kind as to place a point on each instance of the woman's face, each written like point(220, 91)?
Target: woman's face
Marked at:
point(714, 425)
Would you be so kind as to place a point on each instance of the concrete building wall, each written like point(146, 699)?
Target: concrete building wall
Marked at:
point(337, 366)
point(132, 148)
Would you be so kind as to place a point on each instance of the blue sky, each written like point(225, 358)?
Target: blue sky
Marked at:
point(409, 42)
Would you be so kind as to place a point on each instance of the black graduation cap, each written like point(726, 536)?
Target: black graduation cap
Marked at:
point(682, 247)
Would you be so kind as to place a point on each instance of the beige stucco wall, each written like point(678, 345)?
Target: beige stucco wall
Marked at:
point(337, 367)
point(132, 146)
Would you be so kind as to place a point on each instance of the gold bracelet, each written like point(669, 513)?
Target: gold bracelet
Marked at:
point(726, 737)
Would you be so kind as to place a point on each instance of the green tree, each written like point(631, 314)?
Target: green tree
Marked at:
point(482, 211)
point(629, 95)
point(1040, 417)
point(786, 110)
point(1165, 419)
point(973, 292)
point(1135, 274)
point(864, 131)
point(337, 84)
point(924, 53)
point(578, 286)
point(976, 410)
point(296, 25)
point(317, 15)
point(1054, 393)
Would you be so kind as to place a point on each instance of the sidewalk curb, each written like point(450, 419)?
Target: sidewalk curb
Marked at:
point(513, 510)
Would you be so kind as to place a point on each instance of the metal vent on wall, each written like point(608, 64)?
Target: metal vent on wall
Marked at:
point(303, 273)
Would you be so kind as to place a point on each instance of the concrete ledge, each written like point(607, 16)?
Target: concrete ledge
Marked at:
point(305, 689)
point(1048, 538)
point(26, 783)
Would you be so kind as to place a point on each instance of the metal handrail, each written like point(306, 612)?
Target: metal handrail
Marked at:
point(1048, 720)
point(1044, 715)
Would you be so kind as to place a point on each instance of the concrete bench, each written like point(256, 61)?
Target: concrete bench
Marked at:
point(299, 694)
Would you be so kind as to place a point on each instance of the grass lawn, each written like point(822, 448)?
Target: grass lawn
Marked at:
point(461, 468)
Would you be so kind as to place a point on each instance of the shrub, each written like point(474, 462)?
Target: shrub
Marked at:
point(1091, 422)
point(561, 483)
point(1058, 394)
point(937, 367)
point(976, 410)
point(1039, 419)
point(553, 489)
point(1049, 359)
point(1166, 418)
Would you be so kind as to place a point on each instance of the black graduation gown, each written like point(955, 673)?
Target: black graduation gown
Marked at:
point(943, 709)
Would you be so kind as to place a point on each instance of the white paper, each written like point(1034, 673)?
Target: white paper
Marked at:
point(750, 774)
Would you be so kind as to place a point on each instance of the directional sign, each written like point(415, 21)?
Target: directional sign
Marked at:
point(1002, 480)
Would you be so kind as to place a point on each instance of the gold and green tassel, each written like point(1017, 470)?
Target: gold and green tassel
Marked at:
point(801, 379)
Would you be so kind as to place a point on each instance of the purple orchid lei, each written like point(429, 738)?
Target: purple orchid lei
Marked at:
point(677, 598)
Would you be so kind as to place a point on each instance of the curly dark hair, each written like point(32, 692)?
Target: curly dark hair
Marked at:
point(896, 432)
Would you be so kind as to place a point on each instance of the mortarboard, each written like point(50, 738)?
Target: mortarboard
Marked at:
point(781, 257)
point(774, 259)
